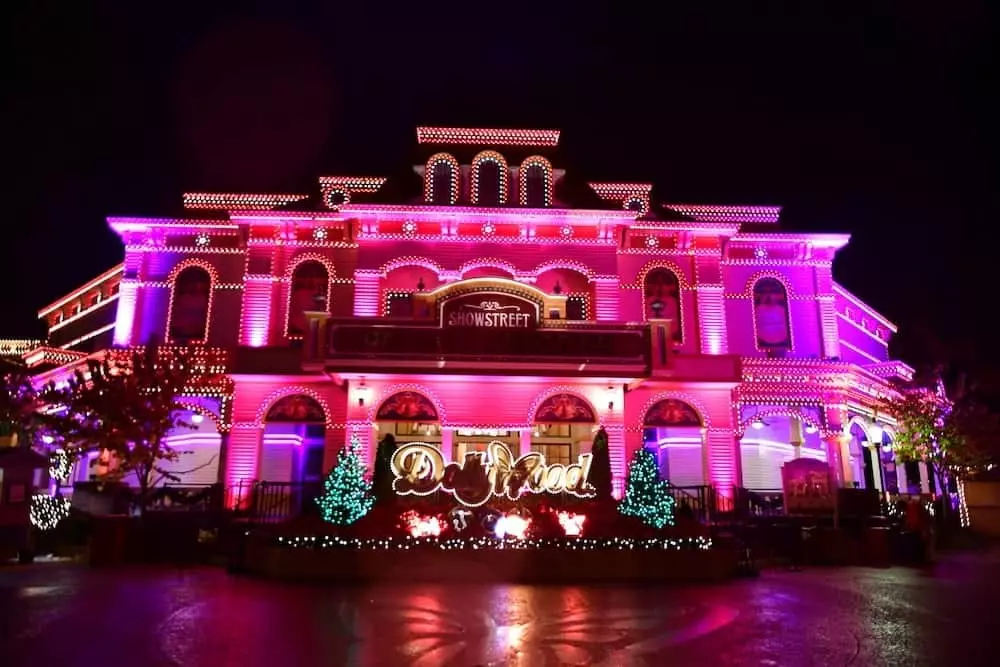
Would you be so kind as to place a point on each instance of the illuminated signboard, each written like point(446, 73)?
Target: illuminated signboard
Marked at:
point(420, 470)
point(489, 310)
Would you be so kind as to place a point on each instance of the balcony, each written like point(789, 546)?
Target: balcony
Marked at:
point(569, 348)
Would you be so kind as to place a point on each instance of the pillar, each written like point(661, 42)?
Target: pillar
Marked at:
point(333, 440)
point(620, 441)
point(223, 458)
point(606, 298)
point(448, 443)
point(357, 432)
point(925, 484)
point(795, 437)
point(723, 454)
point(242, 458)
point(835, 459)
point(525, 444)
point(256, 316)
point(367, 293)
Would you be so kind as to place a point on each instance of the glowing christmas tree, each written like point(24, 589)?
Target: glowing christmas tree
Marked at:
point(646, 495)
point(348, 495)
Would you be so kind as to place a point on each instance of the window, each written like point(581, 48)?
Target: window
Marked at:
point(441, 180)
point(489, 179)
point(662, 295)
point(488, 183)
point(535, 187)
point(190, 305)
point(771, 321)
point(576, 307)
point(309, 292)
point(399, 304)
point(535, 182)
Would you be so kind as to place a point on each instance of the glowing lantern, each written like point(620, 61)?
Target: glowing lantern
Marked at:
point(571, 523)
point(422, 526)
point(511, 525)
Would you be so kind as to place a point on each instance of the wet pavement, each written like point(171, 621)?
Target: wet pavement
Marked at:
point(70, 616)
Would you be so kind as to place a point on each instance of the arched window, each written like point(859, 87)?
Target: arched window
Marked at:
point(489, 179)
point(441, 180)
point(309, 292)
point(536, 182)
point(771, 320)
point(662, 296)
point(190, 306)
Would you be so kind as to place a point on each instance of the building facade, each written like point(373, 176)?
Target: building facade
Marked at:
point(500, 302)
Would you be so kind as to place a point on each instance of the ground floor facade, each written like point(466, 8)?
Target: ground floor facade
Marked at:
point(728, 433)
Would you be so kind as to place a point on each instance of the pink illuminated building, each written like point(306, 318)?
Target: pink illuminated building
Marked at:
point(499, 302)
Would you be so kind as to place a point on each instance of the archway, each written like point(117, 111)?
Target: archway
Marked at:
point(673, 431)
point(773, 436)
point(408, 416)
point(293, 441)
point(563, 428)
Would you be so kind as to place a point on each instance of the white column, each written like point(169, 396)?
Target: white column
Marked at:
point(925, 483)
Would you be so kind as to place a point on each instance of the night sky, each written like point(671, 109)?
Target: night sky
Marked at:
point(872, 122)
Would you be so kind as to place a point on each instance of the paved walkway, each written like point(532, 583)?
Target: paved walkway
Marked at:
point(70, 616)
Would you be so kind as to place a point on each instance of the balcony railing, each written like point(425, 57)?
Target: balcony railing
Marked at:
point(575, 344)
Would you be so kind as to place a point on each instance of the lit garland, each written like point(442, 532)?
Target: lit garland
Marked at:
point(491, 543)
point(487, 136)
point(348, 495)
point(60, 465)
point(546, 167)
point(430, 168)
point(47, 511)
point(646, 496)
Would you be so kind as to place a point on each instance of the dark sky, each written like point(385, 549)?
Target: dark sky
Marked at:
point(874, 121)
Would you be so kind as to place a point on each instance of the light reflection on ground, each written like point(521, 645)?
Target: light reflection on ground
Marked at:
point(51, 614)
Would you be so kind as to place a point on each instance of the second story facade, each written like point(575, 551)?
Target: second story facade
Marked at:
point(243, 268)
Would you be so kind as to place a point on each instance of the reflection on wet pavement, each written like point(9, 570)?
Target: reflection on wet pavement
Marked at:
point(67, 615)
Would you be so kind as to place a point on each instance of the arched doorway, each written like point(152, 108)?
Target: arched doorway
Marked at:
point(293, 441)
point(408, 416)
point(563, 428)
point(673, 430)
point(773, 436)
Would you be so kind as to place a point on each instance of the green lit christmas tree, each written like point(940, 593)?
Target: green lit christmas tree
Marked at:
point(348, 495)
point(646, 496)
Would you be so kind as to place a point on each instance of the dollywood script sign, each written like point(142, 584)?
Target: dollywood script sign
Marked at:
point(420, 470)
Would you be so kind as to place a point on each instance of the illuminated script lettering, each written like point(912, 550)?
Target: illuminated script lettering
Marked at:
point(420, 469)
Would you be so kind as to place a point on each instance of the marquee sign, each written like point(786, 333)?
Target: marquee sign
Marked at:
point(490, 310)
point(420, 470)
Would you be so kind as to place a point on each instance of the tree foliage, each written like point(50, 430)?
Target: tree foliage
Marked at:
point(19, 404)
point(647, 496)
point(958, 438)
point(127, 406)
point(347, 494)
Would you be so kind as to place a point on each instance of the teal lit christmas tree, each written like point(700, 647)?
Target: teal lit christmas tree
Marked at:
point(646, 496)
point(348, 495)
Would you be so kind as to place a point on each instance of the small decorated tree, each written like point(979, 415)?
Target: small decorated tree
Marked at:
point(382, 473)
point(646, 495)
point(348, 495)
point(600, 466)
